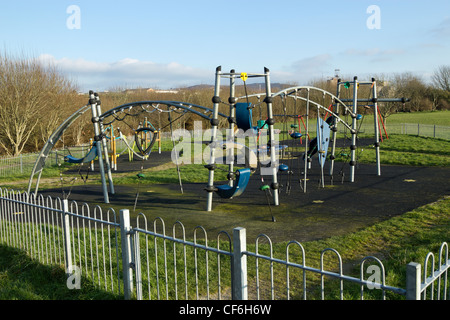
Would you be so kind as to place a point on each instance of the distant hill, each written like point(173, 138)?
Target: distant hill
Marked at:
point(252, 86)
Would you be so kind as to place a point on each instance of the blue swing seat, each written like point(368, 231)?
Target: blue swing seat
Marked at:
point(296, 135)
point(242, 177)
point(243, 116)
point(92, 154)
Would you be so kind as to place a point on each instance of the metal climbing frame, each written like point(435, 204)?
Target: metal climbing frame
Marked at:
point(292, 92)
point(355, 101)
point(99, 120)
point(215, 122)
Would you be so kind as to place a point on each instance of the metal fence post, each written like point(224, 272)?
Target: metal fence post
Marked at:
point(239, 272)
point(413, 271)
point(137, 266)
point(66, 233)
point(125, 236)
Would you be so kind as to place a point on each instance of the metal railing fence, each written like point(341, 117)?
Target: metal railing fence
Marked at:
point(168, 256)
point(56, 232)
point(145, 262)
point(417, 129)
point(24, 163)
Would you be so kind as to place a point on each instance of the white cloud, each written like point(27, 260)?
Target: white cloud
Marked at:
point(376, 54)
point(312, 65)
point(373, 55)
point(442, 30)
point(304, 70)
point(128, 72)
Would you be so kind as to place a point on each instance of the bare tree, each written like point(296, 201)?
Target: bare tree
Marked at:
point(28, 92)
point(441, 78)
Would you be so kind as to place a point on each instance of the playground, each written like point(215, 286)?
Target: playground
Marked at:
point(324, 194)
point(320, 213)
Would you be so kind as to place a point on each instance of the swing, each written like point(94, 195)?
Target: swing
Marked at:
point(296, 135)
point(92, 154)
point(242, 178)
point(147, 151)
point(244, 115)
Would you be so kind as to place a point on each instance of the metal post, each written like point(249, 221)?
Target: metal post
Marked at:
point(137, 266)
point(306, 143)
point(105, 146)
point(98, 143)
point(230, 151)
point(125, 229)
point(67, 242)
point(239, 273)
point(335, 128)
point(91, 144)
point(271, 122)
point(353, 146)
point(413, 271)
point(375, 123)
point(214, 124)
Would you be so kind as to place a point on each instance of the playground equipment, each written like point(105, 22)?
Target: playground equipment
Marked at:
point(90, 156)
point(100, 121)
point(240, 117)
point(371, 102)
point(333, 116)
point(242, 177)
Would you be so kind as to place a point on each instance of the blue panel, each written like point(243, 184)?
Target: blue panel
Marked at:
point(323, 140)
point(243, 116)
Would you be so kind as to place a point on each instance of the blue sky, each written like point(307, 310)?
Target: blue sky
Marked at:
point(173, 43)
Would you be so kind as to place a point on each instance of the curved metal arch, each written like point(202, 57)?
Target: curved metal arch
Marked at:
point(190, 107)
point(295, 89)
point(54, 138)
point(330, 112)
point(57, 134)
point(298, 88)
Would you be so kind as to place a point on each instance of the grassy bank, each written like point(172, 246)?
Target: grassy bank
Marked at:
point(396, 242)
point(440, 118)
point(404, 150)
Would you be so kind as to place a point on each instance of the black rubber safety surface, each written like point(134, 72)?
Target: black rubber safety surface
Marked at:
point(320, 212)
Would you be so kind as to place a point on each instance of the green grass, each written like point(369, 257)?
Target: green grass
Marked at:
point(396, 242)
point(405, 150)
point(441, 118)
point(23, 278)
